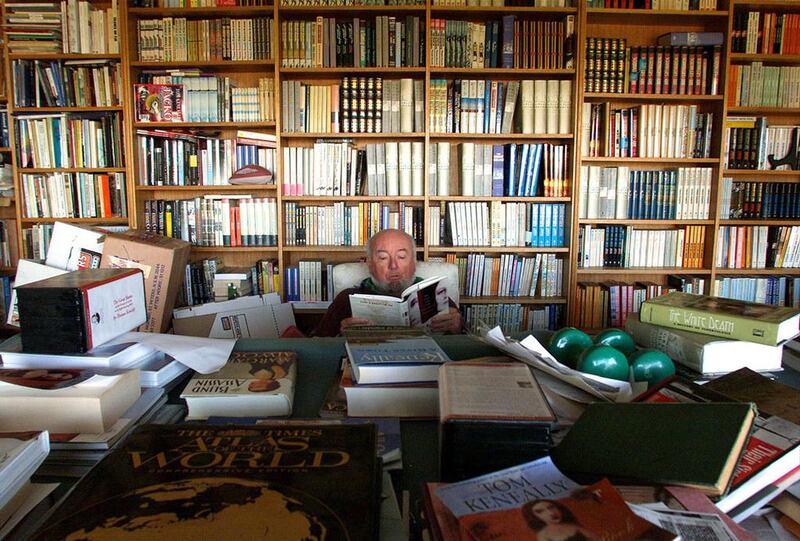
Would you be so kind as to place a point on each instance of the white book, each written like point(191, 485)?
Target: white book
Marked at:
point(552, 103)
point(526, 99)
point(412, 308)
point(20, 456)
point(443, 169)
point(540, 106)
point(405, 164)
point(565, 107)
point(583, 198)
point(623, 183)
point(417, 168)
point(406, 105)
point(592, 211)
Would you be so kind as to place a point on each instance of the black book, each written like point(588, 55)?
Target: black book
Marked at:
point(285, 480)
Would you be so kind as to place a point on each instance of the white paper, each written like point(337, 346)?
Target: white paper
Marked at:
point(240, 303)
point(71, 244)
point(692, 525)
point(203, 355)
point(533, 353)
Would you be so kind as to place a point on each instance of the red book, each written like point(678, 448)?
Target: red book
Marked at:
point(651, 62)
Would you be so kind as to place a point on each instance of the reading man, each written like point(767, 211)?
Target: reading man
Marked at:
point(391, 258)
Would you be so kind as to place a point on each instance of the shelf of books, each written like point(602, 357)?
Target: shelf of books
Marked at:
point(652, 94)
point(9, 252)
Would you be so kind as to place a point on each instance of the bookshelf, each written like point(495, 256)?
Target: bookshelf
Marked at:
point(430, 148)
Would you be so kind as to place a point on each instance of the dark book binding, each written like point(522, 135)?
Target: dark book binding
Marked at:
point(303, 481)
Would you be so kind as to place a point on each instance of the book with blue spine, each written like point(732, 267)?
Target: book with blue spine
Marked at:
point(395, 359)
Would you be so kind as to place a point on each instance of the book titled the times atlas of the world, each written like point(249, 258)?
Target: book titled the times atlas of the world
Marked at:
point(194, 481)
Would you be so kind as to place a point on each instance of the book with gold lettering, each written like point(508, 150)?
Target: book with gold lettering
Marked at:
point(199, 481)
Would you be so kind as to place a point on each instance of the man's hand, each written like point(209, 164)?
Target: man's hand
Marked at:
point(449, 321)
point(352, 322)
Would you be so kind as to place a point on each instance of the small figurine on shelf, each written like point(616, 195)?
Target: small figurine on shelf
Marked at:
point(792, 158)
point(233, 291)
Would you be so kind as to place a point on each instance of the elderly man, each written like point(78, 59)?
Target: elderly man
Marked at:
point(392, 265)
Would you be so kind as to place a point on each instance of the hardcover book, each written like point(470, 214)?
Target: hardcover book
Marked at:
point(704, 353)
point(417, 304)
point(159, 102)
point(20, 454)
point(665, 443)
point(197, 481)
point(395, 360)
point(251, 384)
point(724, 318)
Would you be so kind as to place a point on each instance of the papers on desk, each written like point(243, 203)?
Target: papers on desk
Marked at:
point(203, 355)
point(561, 379)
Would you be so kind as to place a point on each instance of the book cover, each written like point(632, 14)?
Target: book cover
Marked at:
point(159, 102)
point(250, 384)
point(198, 481)
point(417, 304)
point(20, 454)
point(725, 318)
point(665, 443)
point(395, 360)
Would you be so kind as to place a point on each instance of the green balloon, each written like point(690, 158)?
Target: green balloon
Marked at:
point(567, 343)
point(616, 338)
point(651, 365)
point(604, 361)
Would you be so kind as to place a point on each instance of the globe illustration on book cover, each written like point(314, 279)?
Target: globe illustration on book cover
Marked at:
point(205, 508)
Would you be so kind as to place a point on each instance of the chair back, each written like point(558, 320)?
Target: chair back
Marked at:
point(346, 275)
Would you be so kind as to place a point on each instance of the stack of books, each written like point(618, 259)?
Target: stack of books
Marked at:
point(21, 453)
point(390, 373)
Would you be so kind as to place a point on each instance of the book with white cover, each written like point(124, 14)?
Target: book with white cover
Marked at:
point(72, 247)
point(27, 272)
point(420, 400)
point(64, 400)
point(395, 359)
point(417, 304)
point(122, 355)
point(20, 454)
point(704, 353)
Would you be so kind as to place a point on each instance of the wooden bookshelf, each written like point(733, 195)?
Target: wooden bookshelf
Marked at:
point(639, 27)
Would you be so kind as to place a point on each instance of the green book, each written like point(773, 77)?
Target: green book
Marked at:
point(685, 444)
point(725, 318)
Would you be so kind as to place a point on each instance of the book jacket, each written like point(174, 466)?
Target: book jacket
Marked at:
point(198, 481)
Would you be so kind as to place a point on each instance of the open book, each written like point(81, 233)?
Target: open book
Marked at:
point(416, 306)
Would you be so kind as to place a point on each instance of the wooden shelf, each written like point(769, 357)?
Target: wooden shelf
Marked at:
point(62, 56)
point(756, 272)
point(762, 221)
point(499, 71)
point(507, 9)
point(649, 14)
point(644, 270)
point(107, 221)
point(322, 248)
point(350, 198)
point(498, 249)
point(227, 65)
point(766, 58)
point(512, 300)
point(208, 188)
point(217, 249)
point(499, 198)
point(501, 136)
point(762, 4)
point(314, 10)
point(5, 149)
point(235, 11)
point(687, 161)
point(341, 135)
point(644, 222)
point(650, 97)
point(349, 70)
point(770, 174)
point(36, 170)
point(764, 110)
point(72, 109)
point(205, 125)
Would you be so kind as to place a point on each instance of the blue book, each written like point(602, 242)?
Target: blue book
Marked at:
point(395, 360)
point(511, 169)
point(633, 181)
point(535, 170)
point(487, 104)
point(643, 191)
point(508, 42)
point(535, 224)
point(691, 39)
point(655, 197)
point(501, 99)
point(498, 162)
point(523, 167)
point(548, 225)
point(562, 211)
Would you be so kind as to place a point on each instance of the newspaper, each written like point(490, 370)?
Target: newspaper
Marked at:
point(689, 525)
point(565, 381)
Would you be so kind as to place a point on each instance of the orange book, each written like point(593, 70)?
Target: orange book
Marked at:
point(106, 192)
point(495, 275)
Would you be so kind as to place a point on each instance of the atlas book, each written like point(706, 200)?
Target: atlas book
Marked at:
point(199, 481)
point(663, 443)
point(417, 304)
point(724, 318)
point(64, 400)
point(501, 402)
point(250, 384)
point(773, 449)
point(705, 354)
point(395, 360)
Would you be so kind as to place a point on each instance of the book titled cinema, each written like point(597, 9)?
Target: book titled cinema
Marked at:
point(725, 318)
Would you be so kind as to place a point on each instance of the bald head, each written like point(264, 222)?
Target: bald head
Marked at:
point(391, 259)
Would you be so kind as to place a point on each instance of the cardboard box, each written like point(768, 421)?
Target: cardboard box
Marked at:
point(163, 261)
point(254, 316)
point(80, 310)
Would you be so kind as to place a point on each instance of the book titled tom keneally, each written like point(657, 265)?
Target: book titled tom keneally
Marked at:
point(197, 481)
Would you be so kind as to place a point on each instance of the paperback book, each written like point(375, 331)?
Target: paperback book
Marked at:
point(395, 360)
point(198, 481)
point(250, 384)
point(416, 305)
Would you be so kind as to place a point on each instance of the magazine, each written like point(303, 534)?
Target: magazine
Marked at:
point(416, 305)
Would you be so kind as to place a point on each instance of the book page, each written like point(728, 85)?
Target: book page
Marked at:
point(380, 310)
point(504, 391)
